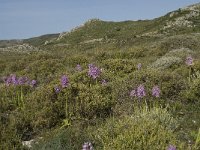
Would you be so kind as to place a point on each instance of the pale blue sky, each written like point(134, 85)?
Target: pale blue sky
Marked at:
point(28, 18)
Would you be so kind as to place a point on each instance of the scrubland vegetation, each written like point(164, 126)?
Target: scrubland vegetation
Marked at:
point(105, 85)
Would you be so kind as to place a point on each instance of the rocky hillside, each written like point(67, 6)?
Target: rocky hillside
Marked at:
point(182, 21)
point(19, 48)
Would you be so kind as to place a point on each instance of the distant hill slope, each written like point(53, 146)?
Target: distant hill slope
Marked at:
point(36, 41)
point(182, 21)
point(8, 43)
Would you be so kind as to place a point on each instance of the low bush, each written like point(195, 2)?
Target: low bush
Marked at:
point(165, 62)
point(68, 139)
point(146, 130)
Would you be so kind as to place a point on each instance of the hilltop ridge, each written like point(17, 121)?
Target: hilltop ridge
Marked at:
point(181, 21)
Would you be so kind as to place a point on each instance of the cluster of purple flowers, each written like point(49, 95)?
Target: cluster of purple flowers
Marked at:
point(87, 146)
point(94, 71)
point(171, 147)
point(140, 92)
point(156, 91)
point(64, 82)
point(13, 80)
point(189, 61)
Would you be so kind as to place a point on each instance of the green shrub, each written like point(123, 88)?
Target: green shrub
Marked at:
point(68, 139)
point(170, 84)
point(44, 70)
point(9, 138)
point(88, 97)
point(83, 98)
point(192, 92)
point(77, 59)
point(130, 53)
point(179, 41)
point(146, 130)
point(45, 108)
point(15, 127)
point(13, 97)
point(119, 67)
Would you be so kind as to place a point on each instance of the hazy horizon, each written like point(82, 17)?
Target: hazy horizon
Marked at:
point(27, 18)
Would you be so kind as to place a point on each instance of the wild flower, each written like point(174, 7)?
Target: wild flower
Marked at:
point(8, 81)
point(14, 79)
point(141, 91)
point(139, 66)
point(156, 91)
point(103, 82)
point(171, 147)
point(33, 83)
point(57, 89)
point(64, 81)
point(94, 71)
point(87, 146)
point(189, 61)
point(78, 67)
point(22, 80)
point(133, 93)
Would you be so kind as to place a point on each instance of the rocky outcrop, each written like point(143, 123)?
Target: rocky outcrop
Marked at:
point(184, 20)
point(20, 48)
point(64, 34)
